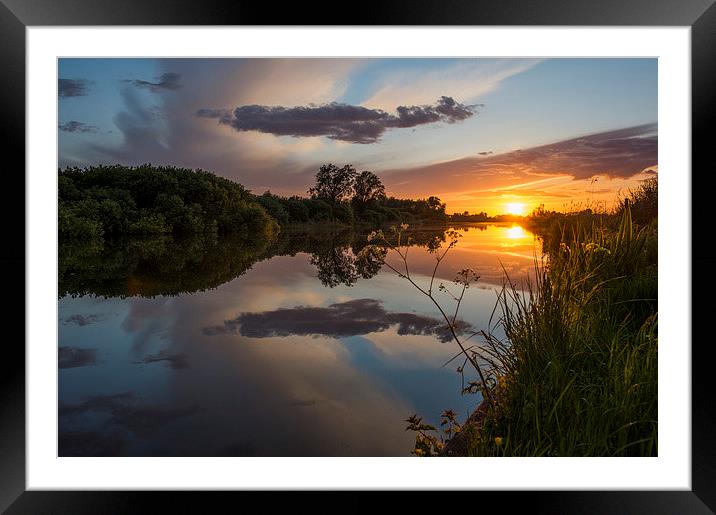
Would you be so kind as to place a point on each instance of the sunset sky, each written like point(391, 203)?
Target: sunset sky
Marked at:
point(495, 135)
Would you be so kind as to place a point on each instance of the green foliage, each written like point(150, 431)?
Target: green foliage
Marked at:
point(420, 210)
point(274, 207)
point(579, 361)
point(111, 201)
point(368, 190)
point(376, 212)
point(334, 186)
point(429, 441)
point(643, 202)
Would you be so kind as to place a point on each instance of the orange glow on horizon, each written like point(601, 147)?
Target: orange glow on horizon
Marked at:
point(564, 194)
point(515, 208)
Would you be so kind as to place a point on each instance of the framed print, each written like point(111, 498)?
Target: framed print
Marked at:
point(416, 251)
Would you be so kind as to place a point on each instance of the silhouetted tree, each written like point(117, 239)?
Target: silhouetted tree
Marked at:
point(367, 189)
point(435, 204)
point(333, 184)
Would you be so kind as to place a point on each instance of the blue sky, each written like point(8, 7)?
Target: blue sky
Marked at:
point(145, 110)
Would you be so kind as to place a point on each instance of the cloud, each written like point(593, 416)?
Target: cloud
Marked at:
point(68, 88)
point(351, 318)
point(75, 126)
point(175, 361)
point(74, 357)
point(338, 121)
point(142, 134)
point(82, 320)
point(524, 192)
point(124, 412)
point(621, 153)
point(467, 80)
point(166, 81)
point(146, 321)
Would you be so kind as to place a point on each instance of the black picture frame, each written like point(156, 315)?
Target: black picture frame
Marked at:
point(16, 15)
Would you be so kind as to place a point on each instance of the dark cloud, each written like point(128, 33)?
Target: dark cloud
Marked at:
point(83, 320)
point(75, 126)
point(166, 81)
point(73, 357)
point(175, 361)
point(351, 318)
point(355, 124)
point(620, 153)
point(126, 413)
point(486, 153)
point(67, 88)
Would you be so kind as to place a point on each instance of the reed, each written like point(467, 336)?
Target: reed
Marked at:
point(578, 361)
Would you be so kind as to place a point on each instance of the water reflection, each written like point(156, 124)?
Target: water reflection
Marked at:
point(161, 356)
point(350, 318)
point(169, 267)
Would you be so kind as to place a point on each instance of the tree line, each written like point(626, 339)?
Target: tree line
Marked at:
point(110, 201)
point(343, 195)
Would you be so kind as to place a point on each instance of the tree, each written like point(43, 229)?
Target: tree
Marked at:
point(333, 184)
point(367, 189)
point(435, 204)
point(109, 201)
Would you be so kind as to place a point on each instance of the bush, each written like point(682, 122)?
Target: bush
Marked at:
point(115, 200)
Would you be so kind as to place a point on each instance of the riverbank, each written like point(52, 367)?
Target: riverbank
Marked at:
point(577, 370)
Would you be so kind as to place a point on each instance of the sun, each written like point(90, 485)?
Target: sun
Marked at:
point(515, 208)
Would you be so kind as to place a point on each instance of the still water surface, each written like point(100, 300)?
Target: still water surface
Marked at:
point(284, 348)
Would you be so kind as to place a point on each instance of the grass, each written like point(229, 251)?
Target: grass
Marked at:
point(577, 369)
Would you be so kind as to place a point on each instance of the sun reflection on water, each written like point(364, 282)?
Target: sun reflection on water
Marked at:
point(515, 232)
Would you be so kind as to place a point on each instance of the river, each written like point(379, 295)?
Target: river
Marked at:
point(223, 347)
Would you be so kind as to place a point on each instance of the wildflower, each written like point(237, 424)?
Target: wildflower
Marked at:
point(466, 276)
point(589, 247)
point(563, 247)
point(403, 226)
point(498, 440)
point(376, 235)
